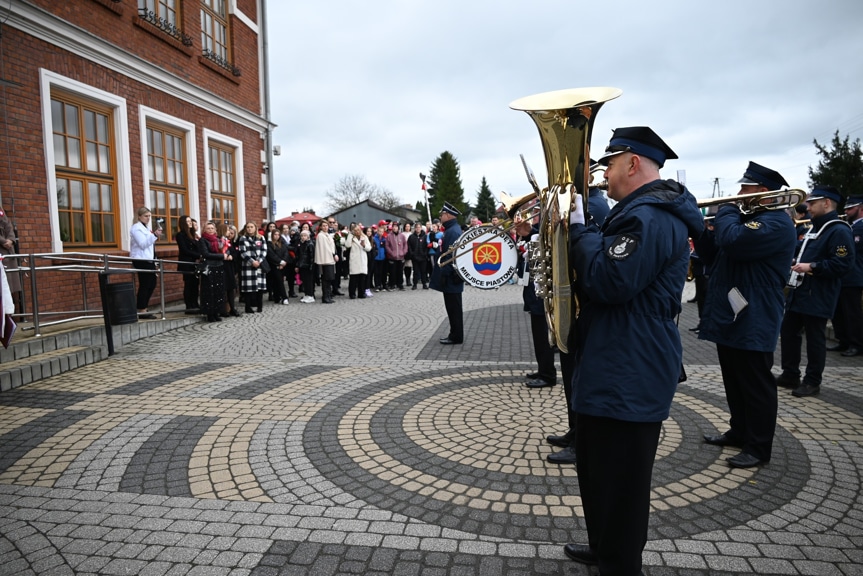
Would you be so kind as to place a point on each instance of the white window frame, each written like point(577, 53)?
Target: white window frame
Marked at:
point(145, 114)
point(124, 208)
point(237, 145)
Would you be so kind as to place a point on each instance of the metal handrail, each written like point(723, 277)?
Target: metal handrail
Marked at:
point(83, 263)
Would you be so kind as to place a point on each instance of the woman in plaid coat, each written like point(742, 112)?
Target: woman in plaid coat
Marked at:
point(253, 276)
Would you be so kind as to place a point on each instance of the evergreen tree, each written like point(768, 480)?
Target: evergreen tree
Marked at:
point(444, 184)
point(486, 206)
point(841, 165)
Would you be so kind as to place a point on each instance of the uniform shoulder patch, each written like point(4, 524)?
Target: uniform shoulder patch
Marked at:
point(753, 224)
point(841, 251)
point(622, 247)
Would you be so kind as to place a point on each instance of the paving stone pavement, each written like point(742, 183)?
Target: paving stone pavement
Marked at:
point(343, 439)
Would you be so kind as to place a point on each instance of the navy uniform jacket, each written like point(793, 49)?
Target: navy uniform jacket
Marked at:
point(631, 275)
point(832, 253)
point(753, 254)
point(445, 279)
point(854, 278)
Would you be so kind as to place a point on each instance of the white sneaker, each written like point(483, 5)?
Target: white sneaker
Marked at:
point(308, 299)
point(369, 293)
point(285, 302)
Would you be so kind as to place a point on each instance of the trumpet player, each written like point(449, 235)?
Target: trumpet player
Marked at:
point(628, 356)
point(445, 279)
point(826, 255)
point(749, 256)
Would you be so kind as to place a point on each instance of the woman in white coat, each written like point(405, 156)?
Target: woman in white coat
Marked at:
point(356, 245)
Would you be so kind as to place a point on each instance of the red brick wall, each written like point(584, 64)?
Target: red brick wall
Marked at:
point(27, 184)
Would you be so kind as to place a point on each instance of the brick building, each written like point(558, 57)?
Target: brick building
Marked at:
point(107, 105)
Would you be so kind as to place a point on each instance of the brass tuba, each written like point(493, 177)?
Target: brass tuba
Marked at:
point(565, 121)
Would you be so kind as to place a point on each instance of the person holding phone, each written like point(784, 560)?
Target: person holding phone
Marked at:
point(141, 242)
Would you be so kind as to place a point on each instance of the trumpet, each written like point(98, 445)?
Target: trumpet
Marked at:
point(767, 201)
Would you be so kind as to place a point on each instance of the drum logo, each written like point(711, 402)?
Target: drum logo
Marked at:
point(486, 257)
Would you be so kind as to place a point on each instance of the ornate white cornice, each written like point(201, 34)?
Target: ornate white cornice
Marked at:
point(60, 33)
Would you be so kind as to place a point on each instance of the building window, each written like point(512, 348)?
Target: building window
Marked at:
point(166, 171)
point(164, 15)
point(84, 166)
point(223, 184)
point(215, 34)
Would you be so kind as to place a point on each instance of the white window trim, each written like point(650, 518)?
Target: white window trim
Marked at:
point(237, 145)
point(124, 208)
point(145, 114)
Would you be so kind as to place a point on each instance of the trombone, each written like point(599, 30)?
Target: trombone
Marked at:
point(513, 207)
point(767, 201)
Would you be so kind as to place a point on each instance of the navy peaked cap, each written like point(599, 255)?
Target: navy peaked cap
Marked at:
point(639, 140)
point(758, 175)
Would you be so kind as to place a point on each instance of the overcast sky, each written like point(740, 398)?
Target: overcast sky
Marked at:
point(380, 88)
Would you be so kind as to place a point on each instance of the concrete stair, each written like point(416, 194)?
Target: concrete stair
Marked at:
point(60, 349)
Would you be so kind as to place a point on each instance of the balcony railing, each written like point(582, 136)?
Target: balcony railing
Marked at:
point(221, 62)
point(165, 26)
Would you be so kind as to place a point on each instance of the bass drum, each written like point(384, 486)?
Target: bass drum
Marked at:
point(487, 257)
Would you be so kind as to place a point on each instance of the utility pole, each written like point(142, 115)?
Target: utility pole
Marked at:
point(717, 193)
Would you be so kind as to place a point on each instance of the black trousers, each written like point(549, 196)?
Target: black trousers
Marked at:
point(614, 461)
point(421, 272)
point(191, 290)
point(357, 283)
point(567, 370)
point(452, 302)
point(793, 326)
point(146, 282)
point(750, 389)
point(307, 280)
point(397, 275)
point(328, 276)
point(848, 319)
point(542, 350)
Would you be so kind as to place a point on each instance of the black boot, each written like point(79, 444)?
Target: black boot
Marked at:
point(260, 302)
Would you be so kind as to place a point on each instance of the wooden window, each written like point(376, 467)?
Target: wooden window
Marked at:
point(84, 165)
point(162, 10)
point(166, 172)
point(223, 184)
point(214, 30)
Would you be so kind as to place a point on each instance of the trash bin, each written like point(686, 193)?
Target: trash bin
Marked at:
point(121, 303)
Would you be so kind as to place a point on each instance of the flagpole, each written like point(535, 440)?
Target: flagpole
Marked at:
point(426, 195)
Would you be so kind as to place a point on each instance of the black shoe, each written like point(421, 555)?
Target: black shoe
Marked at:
point(692, 300)
point(722, 440)
point(581, 553)
point(292, 295)
point(696, 329)
point(233, 312)
point(838, 347)
point(249, 310)
point(744, 460)
point(532, 375)
point(447, 341)
point(425, 286)
point(415, 287)
point(565, 456)
point(539, 383)
point(259, 310)
point(852, 351)
point(146, 316)
point(561, 441)
point(192, 311)
point(787, 381)
point(328, 301)
point(806, 390)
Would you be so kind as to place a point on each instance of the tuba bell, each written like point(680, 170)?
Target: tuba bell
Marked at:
point(565, 121)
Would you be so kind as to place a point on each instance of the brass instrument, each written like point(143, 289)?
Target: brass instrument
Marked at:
point(769, 200)
point(512, 205)
point(565, 120)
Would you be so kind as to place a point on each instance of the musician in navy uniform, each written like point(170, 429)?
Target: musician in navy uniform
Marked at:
point(749, 254)
point(445, 278)
point(848, 318)
point(628, 355)
point(826, 255)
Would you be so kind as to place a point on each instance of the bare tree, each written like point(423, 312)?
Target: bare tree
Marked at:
point(352, 189)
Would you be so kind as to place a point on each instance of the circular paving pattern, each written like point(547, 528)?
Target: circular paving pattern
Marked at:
point(469, 443)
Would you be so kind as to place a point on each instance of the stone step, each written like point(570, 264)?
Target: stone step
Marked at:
point(30, 359)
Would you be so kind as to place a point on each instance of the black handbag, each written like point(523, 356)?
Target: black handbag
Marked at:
point(265, 266)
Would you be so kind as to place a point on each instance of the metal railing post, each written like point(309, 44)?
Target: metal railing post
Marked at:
point(161, 270)
point(36, 331)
